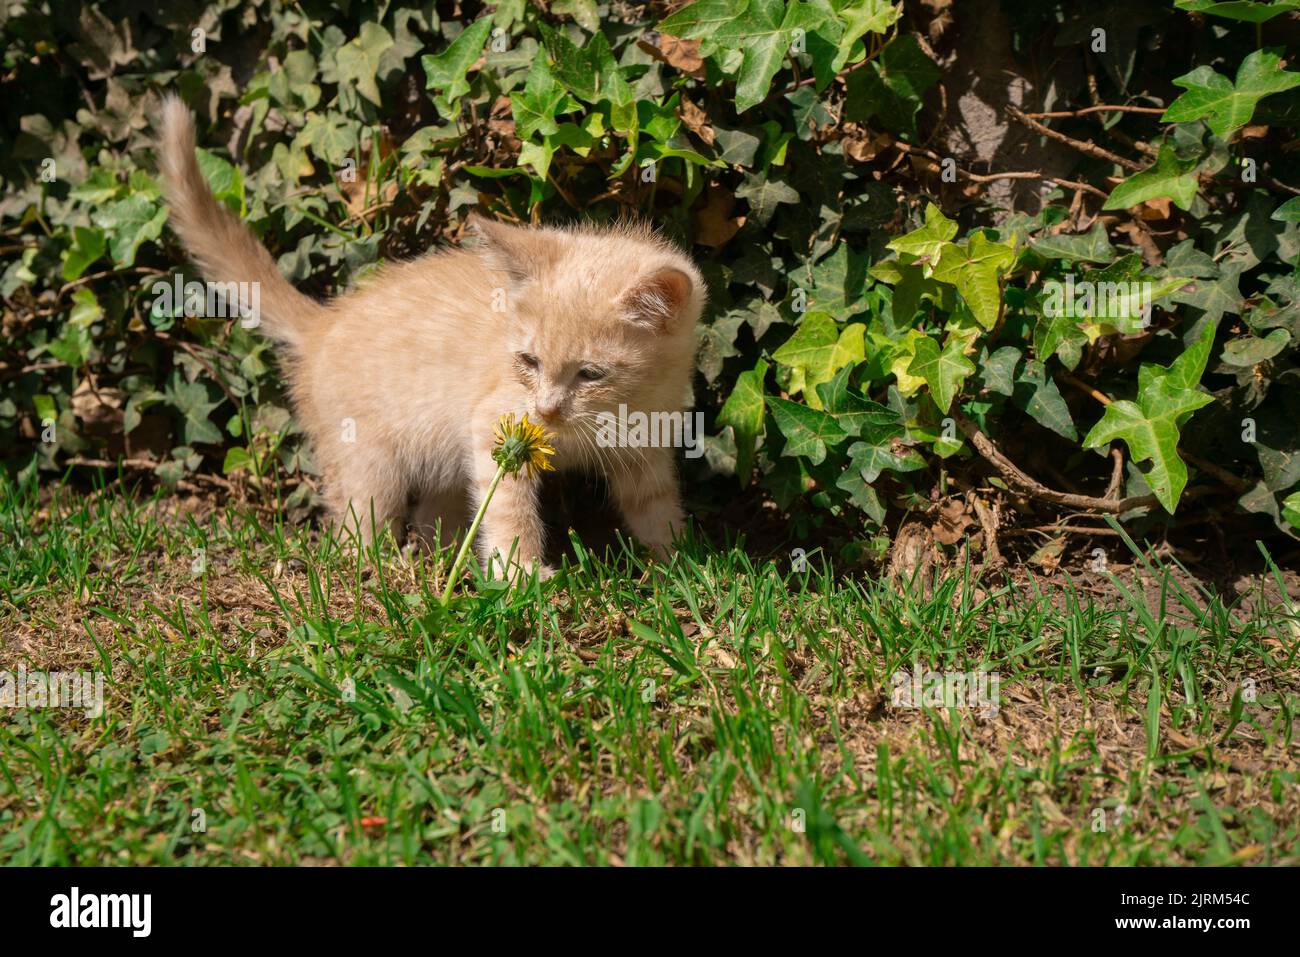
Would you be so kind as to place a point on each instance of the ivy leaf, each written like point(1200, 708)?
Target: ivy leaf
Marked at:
point(1225, 105)
point(1060, 334)
point(192, 401)
point(1115, 298)
point(861, 494)
point(817, 350)
point(86, 310)
point(583, 11)
point(899, 358)
point(943, 371)
point(1038, 394)
point(331, 136)
point(534, 108)
point(743, 411)
point(1167, 397)
point(702, 19)
point(855, 412)
point(1169, 176)
point(872, 457)
point(998, 370)
point(130, 223)
point(763, 30)
point(293, 84)
point(1093, 246)
point(136, 405)
point(1216, 294)
point(1288, 212)
point(928, 241)
point(837, 39)
point(99, 187)
point(860, 17)
point(1252, 350)
point(838, 282)
point(807, 431)
point(224, 179)
point(976, 269)
point(357, 61)
point(73, 346)
point(1291, 510)
point(912, 287)
point(88, 244)
point(445, 72)
point(1246, 10)
point(1275, 444)
point(589, 72)
point(764, 194)
point(766, 38)
point(718, 343)
point(891, 87)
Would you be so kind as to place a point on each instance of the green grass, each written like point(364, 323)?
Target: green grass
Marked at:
point(713, 710)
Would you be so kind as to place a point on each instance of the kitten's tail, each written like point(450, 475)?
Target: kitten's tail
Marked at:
point(223, 247)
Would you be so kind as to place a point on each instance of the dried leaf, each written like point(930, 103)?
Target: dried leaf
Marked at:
point(683, 55)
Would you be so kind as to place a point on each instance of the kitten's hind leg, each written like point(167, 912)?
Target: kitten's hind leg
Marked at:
point(441, 516)
point(366, 501)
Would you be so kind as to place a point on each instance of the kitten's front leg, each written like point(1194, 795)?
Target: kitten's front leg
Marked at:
point(512, 527)
point(646, 494)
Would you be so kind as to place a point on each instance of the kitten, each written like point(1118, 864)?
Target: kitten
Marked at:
point(400, 382)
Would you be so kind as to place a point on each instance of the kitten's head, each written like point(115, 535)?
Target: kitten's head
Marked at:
point(595, 318)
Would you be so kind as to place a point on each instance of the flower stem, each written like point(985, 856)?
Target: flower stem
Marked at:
point(468, 543)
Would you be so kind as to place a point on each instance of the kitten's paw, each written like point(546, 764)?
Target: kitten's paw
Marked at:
point(662, 551)
point(521, 576)
point(520, 572)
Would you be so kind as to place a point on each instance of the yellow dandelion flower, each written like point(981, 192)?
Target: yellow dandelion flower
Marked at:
point(519, 445)
point(522, 445)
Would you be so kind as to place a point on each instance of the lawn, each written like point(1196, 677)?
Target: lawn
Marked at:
point(274, 698)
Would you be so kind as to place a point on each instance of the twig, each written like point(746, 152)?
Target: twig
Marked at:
point(212, 373)
point(1032, 487)
point(361, 216)
point(1116, 473)
point(564, 193)
point(993, 177)
point(1097, 394)
point(1272, 183)
point(812, 78)
point(12, 372)
point(1087, 147)
point(1059, 529)
point(1056, 114)
point(81, 281)
point(989, 522)
point(146, 465)
point(1071, 184)
point(1145, 148)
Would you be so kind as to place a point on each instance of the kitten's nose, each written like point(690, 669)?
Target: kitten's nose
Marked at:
point(549, 414)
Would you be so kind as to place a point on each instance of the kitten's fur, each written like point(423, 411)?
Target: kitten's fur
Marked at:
point(424, 366)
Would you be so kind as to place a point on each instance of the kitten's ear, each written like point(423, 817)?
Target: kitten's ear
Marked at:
point(513, 250)
point(659, 299)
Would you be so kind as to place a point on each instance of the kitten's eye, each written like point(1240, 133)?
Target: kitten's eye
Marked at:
point(528, 360)
point(591, 374)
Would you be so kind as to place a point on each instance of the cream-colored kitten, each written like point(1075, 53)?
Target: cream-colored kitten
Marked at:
point(400, 382)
